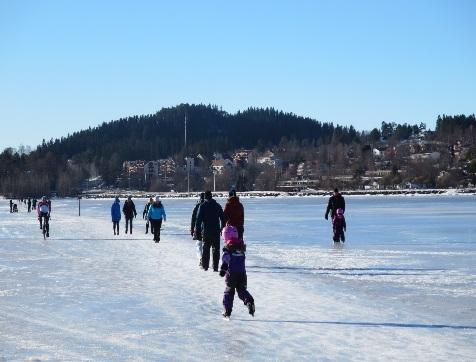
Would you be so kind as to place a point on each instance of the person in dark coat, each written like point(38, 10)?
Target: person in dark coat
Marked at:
point(198, 235)
point(210, 221)
point(34, 203)
point(116, 215)
point(11, 205)
point(129, 210)
point(336, 201)
point(234, 213)
point(29, 205)
point(146, 218)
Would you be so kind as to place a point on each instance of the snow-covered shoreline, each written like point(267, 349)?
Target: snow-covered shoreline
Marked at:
point(107, 194)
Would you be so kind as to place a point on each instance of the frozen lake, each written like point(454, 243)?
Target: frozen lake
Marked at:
point(403, 286)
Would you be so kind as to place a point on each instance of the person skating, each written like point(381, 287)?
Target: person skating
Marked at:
point(34, 203)
point(155, 215)
point(129, 210)
point(336, 201)
point(116, 215)
point(339, 226)
point(44, 212)
point(210, 221)
point(234, 213)
point(29, 205)
point(234, 270)
point(198, 235)
point(11, 205)
point(144, 216)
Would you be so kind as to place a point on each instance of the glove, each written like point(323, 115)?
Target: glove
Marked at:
point(326, 217)
point(222, 273)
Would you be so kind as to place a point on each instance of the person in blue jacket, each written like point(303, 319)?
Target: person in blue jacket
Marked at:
point(155, 215)
point(116, 215)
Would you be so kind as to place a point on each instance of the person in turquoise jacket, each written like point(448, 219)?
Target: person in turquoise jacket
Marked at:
point(116, 215)
point(155, 215)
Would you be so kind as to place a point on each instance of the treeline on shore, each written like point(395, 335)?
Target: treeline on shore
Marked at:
point(61, 165)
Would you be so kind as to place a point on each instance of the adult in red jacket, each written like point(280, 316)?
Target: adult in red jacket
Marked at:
point(234, 213)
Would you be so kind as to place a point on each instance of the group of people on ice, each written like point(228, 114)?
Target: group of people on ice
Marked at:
point(209, 221)
point(28, 202)
point(154, 214)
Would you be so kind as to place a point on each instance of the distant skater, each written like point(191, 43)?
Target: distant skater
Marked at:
point(339, 226)
point(234, 213)
point(198, 234)
point(129, 210)
point(146, 218)
point(234, 270)
point(336, 201)
point(29, 204)
point(156, 215)
point(116, 215)
point(11, 205)
point(210, 221)
point(34, 203)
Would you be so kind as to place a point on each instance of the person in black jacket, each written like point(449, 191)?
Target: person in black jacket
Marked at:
point(197, 235)
point(336, 201)
point(129, 210)
point(210, 221)
point(145, 217)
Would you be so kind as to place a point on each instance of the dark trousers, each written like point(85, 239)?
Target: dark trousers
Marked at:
point(128, 222)
point(46, 218)
point(236, 281)
point(338, 234)
point(155, 226)
point(147, 227)
point(241, 230)
point(115, 227)
point(211, 241)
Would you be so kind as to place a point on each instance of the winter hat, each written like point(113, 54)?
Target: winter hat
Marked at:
point(232, 193)
point(157, 198)
point(117, 199)
point(229, 232)
point(208, 194)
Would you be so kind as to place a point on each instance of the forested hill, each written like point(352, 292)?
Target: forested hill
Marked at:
point(62, 164)
point(208, 130)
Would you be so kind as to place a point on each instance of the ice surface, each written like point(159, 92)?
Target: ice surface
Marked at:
point(402, 287)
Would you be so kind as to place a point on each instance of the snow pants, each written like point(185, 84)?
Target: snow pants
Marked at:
point(156, 225)
point(211, 241)
point(236, 281)
point(338, 234)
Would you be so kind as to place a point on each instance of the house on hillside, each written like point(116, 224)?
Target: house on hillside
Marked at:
point(269, 158)
point(219, 166)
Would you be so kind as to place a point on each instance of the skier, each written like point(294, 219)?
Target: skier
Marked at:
point(198, 235)
point(336, 201)
point(339, 226)
point(29, 204)
point(234, 213)
point(234, 270)
point(116, 215)
point(145, 217)
point(155, 215)
point(210, 221)
point(44, 212)
point(129, 210)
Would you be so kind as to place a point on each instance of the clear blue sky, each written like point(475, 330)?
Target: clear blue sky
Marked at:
point(68, 65)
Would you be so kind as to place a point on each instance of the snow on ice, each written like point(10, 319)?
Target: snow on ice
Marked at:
point(402, 287)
